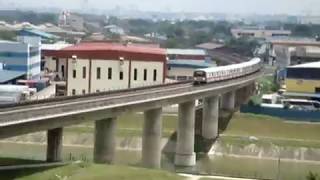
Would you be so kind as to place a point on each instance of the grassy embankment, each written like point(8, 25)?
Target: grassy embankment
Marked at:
point(84, 171)
point(271, 130)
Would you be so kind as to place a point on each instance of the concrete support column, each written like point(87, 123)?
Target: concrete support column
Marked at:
point(228, 101)
point(105, 141)
point(151, 140)
point(210, 118)
point(185, 155)
point(54, 145)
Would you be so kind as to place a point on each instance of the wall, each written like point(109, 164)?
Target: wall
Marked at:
point(105, 84)
point(302, 86)
point(174, 72)
point(150, 66)
point(79, 83)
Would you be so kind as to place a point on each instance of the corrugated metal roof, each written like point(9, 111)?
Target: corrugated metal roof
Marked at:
point(189, 64)
point(6, 75)
point(110, 51)
point(56, 46)
point(197, 52)
point(307, 65)
point(35, 32)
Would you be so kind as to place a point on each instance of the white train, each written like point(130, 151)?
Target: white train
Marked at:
point(221, 73)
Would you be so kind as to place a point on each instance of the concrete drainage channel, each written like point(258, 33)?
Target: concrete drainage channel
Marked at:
point(197, 177)
point(31, 166)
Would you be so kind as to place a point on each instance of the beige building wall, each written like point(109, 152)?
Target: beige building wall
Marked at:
point(150, 67)
point(50, 64)
point(79, 84)
point(83, 85)
point(104, 83)
point(62, 65)
point(175, 72)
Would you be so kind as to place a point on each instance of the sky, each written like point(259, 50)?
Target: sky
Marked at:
point(301, 7)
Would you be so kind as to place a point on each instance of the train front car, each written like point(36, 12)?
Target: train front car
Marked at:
point(199, 77)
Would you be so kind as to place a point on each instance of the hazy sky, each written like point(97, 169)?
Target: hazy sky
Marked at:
point(226, 6)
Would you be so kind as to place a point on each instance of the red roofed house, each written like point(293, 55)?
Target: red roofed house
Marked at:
point(97, 67)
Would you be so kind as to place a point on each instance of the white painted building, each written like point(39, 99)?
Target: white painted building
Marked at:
point(97, 67)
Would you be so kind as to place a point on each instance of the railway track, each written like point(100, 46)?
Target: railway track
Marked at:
point(85, 103)
point(41, 104)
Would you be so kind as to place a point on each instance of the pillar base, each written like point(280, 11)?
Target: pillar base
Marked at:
point(185, 159)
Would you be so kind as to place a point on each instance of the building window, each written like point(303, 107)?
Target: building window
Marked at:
point(145, 74)
point(74, 73)
point(62, 70)
point(98, 73)
point(135, 75)
point(121, 75)
point(109, 73)
point(154, 75)
point(83, 91)
point(84, 72)
point(73, 92)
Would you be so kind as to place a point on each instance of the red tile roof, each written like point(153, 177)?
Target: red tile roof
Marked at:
point(110, 51)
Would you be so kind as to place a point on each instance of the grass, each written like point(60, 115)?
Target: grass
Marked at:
point(257, 168)
point(130, 125)
point(85, 171)
point(266, 126)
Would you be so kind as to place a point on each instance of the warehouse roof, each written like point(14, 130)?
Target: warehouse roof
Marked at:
point(188, 64)
point(198, 52)
point(6, 75)
point(108, 51)
point(34, 32)
point(307, 65)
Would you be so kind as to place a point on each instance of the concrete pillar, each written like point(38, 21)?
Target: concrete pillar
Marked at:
point(228, 101)
point(210, 118)
point(185, 155)
point(151, 140)
point(105, 141)
point(54, 145)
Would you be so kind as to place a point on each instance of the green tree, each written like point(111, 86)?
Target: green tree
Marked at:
point(312, 176)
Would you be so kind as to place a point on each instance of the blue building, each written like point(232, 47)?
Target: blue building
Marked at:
point(24, 55)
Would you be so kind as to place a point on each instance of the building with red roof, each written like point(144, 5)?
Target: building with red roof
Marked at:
point(94, 67)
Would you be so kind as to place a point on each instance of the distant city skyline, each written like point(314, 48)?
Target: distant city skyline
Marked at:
point(294, 7)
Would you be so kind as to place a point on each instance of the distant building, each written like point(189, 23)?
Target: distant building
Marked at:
point(183, 62)
point(303, 81)
point(25, 54)
point(114, 29)
point(97, 67)
point(187, 54)
point(182, 70)
point(287, 52)
point(258, 33)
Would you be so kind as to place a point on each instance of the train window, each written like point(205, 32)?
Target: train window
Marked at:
point(199, 73)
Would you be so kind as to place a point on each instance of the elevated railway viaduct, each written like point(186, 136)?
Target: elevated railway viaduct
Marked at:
point(104, 108)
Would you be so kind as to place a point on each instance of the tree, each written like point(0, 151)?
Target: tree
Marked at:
point(303, 31)
point(312, 176)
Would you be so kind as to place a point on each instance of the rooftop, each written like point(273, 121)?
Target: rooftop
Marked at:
point(189, 64)
point(56, 46)
point(198, 52)
point(102, 50)
point(6, 75)
point(307, 65)
point(209, 46)
point(34, 32)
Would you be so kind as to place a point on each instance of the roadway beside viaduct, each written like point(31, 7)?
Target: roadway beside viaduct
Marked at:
point(104, 110)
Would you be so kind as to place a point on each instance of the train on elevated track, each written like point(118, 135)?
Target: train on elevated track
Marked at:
point(221, 73)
